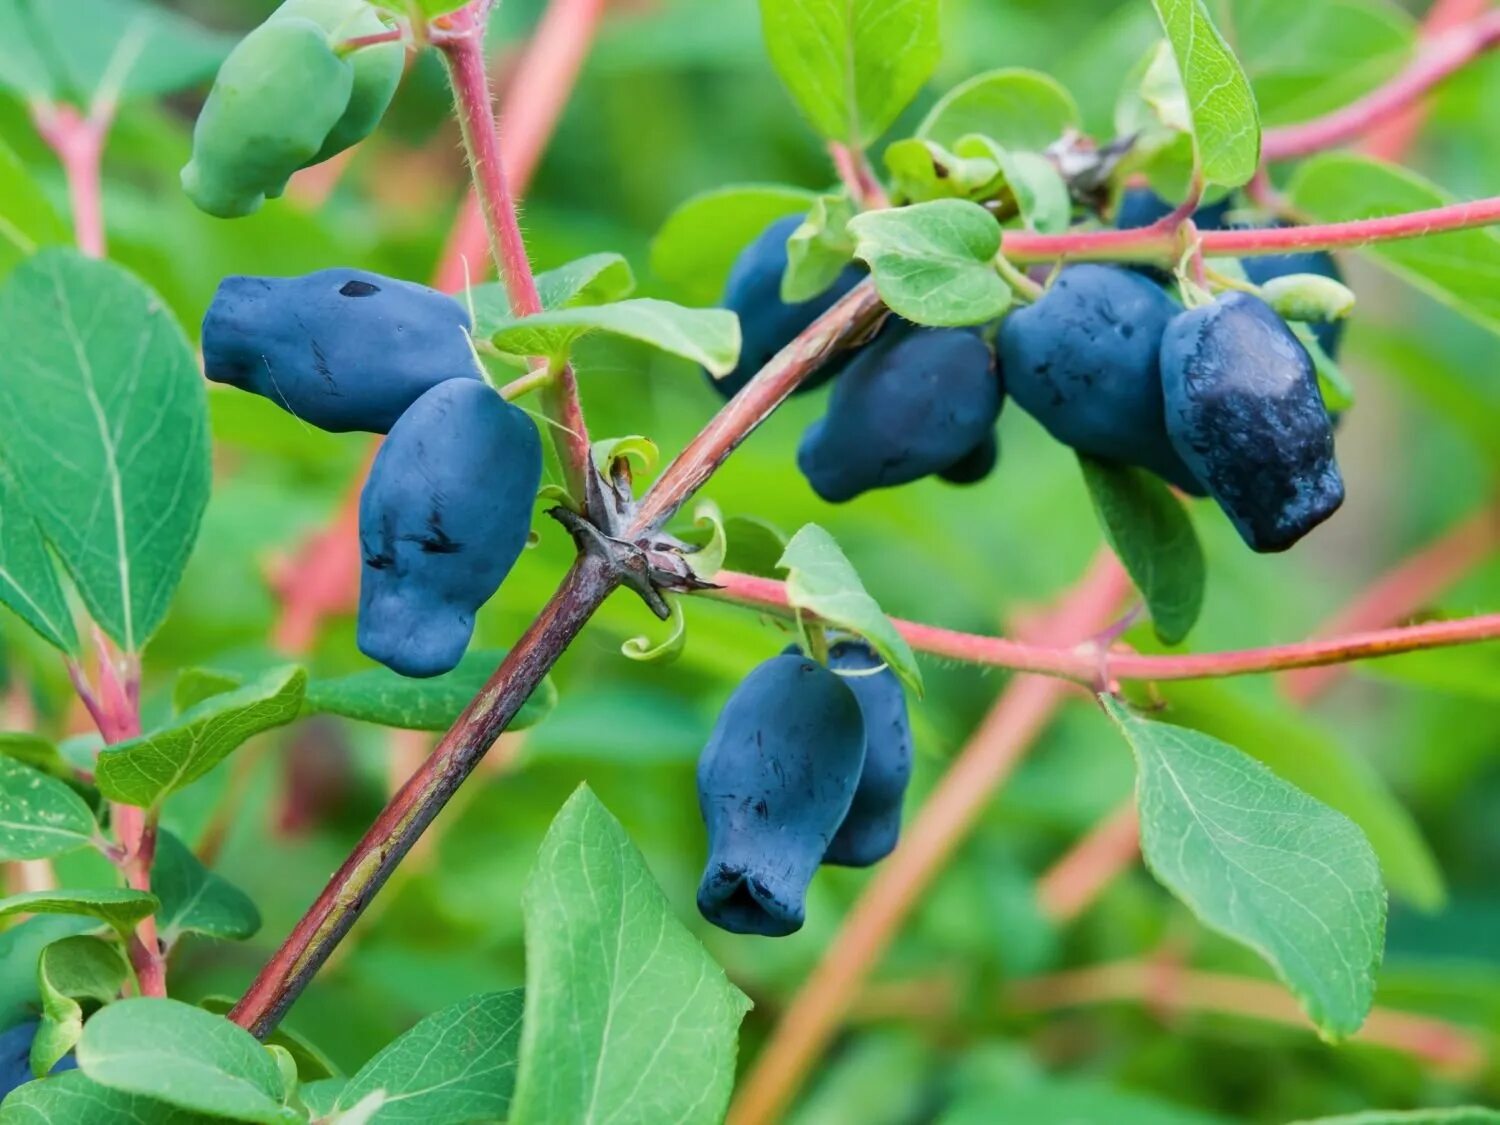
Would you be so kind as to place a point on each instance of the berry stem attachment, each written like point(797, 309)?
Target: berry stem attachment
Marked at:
point(854, 170)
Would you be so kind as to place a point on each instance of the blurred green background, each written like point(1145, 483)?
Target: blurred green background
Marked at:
point(678, 97)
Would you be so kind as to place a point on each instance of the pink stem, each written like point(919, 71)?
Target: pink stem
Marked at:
point(78, 141)
point(854, 171)
point(1435, 60)
point(393, 35)
point(1083, 664)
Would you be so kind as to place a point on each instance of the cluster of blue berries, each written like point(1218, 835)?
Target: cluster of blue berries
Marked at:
point(808, 765)
point(1220, 400)
point(446, 510)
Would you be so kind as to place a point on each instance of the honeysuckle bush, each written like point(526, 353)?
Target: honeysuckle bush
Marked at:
point(184, 760)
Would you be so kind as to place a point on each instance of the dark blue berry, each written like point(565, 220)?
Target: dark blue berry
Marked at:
point(975, 465)
point(1263, 269)
point(15, 1057)
point(873, 824)
point(1140, 207)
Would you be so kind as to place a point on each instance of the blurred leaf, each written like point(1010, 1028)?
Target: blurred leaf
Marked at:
point(20, 949)
point(33, 750)
point(594, 280)
point(934, 262)
point(1263, 863)
point(458, 1064)
point(71, 1098)
point(882, 1078)
point(697, 245)
point(184, 1056)
point(818, 250)
point(1295, 749)
point(821, 580)
point(1459, 1115)
point(30, 221)
point(1017, 109)
point(1333, 384)
point(1460, 268)
point(144, 771)
point(1469, 672)
point(195, 900)
point(29, 584)
point(71, 49)
point(107, 433)
point(852, 67)
point(437, 7)
point(1309, 59)
point(117, 907)
point(707, 336)
point(1226, 127)
point(1151, 531)
point(40, 816)
point(1077, 1102)
point(626, 1014)
point(70, 970)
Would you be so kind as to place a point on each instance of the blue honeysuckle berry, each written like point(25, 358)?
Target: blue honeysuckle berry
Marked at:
point(873, 824)
point(15, 1056)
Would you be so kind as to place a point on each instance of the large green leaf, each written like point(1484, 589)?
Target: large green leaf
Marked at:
point(195, 900)
point(458, 1064)
point(697, 245)
point(1263, 863)
point(40, 816)
point(1015, 108)
point(1460, 268)
point(1153, 534)
point(627, 1019)
point(29, 584)
point(106, 432)
point(707, 336)
point(821, 580)
point(145, 770)
point(72, 1098)
point(1072, 1102)
point(116, 907)
point(852, 65)
point(1455, 1115)
point(186, 1057)
point(934, 262)
point(1226, 126)
point(29, 221)
point(70, 49)
point(72, 970)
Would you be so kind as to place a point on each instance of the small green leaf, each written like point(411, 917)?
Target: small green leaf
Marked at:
point(184, 1056)
point(642, 450)
point(1152, 533)
point(29, 221)
point(1226, 125)
point(707, 336)
point(818, 250)
point(596, 279)
point(29, 584)
point(20, 949)
point(35, 751)
point(382, 697)
point(1016, 108)
point(1459, 268)
point(1040, 192)
point(820, 580)
point(312, 1064)
point(71, 1098)
point(1263, 863)
point(922, 171)
point(70, 970)
point(1333, 384)
point(40, 816)
point(934, 262)
point(752, 546)
point(195, 900)
point(458, 1064)
point(144, 771)
point(116, 907)
point(708, 560)
point(647, 651)
point(852, 66)
point(1071, 1101)
point(627, 1016)
point(1457, 1115)
point(697, 245)
point(107, 432)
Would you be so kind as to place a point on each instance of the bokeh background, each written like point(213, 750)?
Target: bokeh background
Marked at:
point(678, 97)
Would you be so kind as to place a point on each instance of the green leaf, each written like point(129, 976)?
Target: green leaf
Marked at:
point(820, 580)
point(382, 697)
point(1040, 192)
point(20, 949)
point(707, 336)
point(29, 584)
point(627, 1017)
point(184, 1056)
point(1015, 108)
point(71, 49)
point(1263, 863)
point(1457, 1115)
point(35, 751)
point(922, 171)
point(29, 221)
point(1226, 126)
point(70, 970)
point(71, 1098)
point(1072, 1102)
point(312, 1064)
point(752, 546)
point(107, 435)
point(697, 245)
point(852, 66)
point(596, 279)
point(1151, 532)
point(642, 450)
point(144, 771)
point(116, 907)
point(195, 900)
point(708, 560)
point(934, 262)
point(1460, 268)
point(818, 250)
point(458, 1064)
point(40, 816)
point(1297, 750)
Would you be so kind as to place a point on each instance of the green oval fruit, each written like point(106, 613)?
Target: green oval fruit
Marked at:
point(277, 97)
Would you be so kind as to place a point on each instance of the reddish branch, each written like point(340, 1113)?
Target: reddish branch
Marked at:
point(1086, 664)
point(1437, 57)
point(78, 141)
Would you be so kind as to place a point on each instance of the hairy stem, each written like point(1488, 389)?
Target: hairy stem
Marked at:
point(1436, 59)
point(399, 825)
